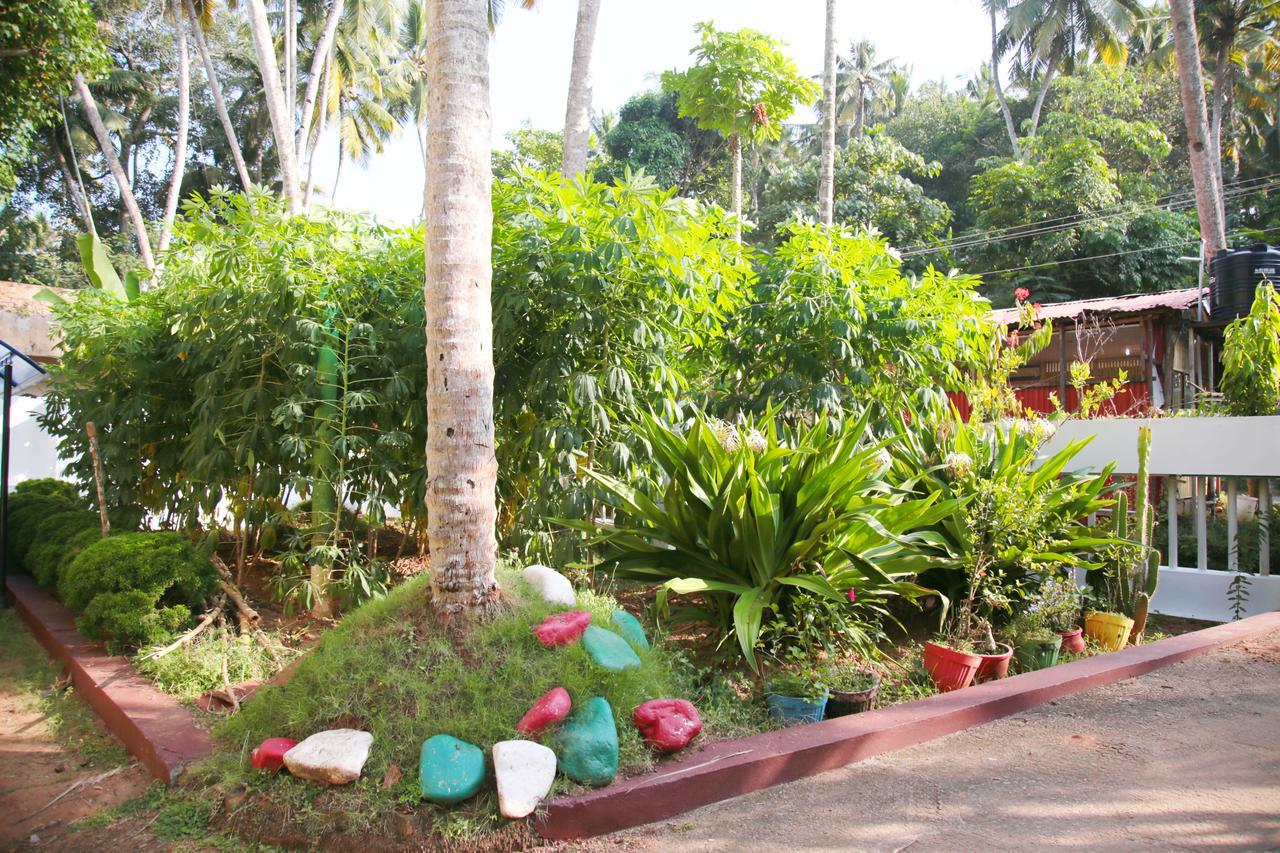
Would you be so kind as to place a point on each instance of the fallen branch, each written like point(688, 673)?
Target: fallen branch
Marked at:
point(248, 616)
point(186, 638)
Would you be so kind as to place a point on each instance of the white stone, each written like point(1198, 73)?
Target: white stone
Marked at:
point(335, 756)
point(525, 771)
point(550, 585)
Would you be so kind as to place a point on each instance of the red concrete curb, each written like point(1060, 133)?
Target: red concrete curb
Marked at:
point(732, 768)
point(159, 731)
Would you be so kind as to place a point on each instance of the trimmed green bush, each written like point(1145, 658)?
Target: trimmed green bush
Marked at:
point(48, 486)
point(129, 619)
point(75, 545)
point(26, 511)
point(164, 565)
point(53, 535)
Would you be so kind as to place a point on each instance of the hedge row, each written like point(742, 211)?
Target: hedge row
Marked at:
point(130, 589)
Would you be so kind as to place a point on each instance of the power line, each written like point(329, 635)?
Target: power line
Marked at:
point(1171, 203)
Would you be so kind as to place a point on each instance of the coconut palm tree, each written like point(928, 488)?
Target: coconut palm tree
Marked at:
point(277, 104)
point(462, 470)
point(183, 128)
point(995, 8)
point(1230, 32)
point(200, 17)
point(827, 176)
point(1204, 172)
point(860, 79)
point(577, 111)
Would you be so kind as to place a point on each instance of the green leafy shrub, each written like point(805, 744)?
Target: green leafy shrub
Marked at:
point(1251, 357)
point(164, 568)
point(77, 543)
point(48, 486)
point(737, 521)
point(129, 619)
point(53, 536)
point(190, 670)
point(26, 511)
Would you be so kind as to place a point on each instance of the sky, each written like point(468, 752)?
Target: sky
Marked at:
point(638, 39)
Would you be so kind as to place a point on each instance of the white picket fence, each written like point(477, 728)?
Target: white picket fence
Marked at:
point(1197, 456)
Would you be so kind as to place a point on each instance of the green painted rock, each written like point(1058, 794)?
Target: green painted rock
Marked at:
point(451, 770)
point(608, 650)
point(631, 629)
point(586, 746)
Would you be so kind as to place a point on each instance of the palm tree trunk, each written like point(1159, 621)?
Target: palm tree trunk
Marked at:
point(184, 127)
point(290, 58)
point(860, 111)
point(319, 64)
point(462, 469)
point(1200, 145)
point(1223, 80)
point(735, 149)
point(127, 199)
point(72, 190)
point(577, 111)
point(827, 179)
point(1046, 82)
point(219, 104)
point(995, 82)
point(277, 107)
point(313, 143)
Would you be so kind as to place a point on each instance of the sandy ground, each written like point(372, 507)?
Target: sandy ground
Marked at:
point(1185, 758)
point(36, 767)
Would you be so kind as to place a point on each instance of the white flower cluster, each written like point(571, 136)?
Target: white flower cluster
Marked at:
point(959, 464)
point(756, 442)
point(883, 460)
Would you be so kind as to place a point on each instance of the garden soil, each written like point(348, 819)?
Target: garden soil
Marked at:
point(1184, 758)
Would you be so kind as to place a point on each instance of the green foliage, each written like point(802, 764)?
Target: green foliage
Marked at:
point(45, 43)
point(736, 522)
point(130, 618)
point(160, 564)
point(799, 682)
point(834, 322)
point(192, 669)
point(394, 669)
point(1238, 596)
point(742, 84)
point(650, 135)
point(1251, 357)
point(26, 511)
point(47, 486)
point(531, 150)
point(53, 535)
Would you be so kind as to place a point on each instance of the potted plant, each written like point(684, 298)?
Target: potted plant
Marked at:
point(852, 690)
point(1057, 603)
point(1036, 645)
point(995, 657)
point(797, 695)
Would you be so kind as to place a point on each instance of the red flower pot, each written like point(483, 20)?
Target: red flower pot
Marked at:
point(1073, 641)
point(994, 666)
point(950, 669)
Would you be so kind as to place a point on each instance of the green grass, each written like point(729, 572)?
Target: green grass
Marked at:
point(390, 668)
point(188, 671)
point(28, 673)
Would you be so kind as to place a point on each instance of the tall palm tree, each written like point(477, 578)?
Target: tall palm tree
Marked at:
point(1049, 37)
point(577, 111)
point(998, 48)
point(277, 105)
point(462, 470)
point(183, 128)
point(1204, 174)
point(861, 78)
point(827, 177)
point(199, 20)
point(320, 58)
point(1231, 31)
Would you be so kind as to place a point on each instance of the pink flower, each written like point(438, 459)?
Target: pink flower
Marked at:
point(853, 595)
point(1012, 340)
point(1022, 294)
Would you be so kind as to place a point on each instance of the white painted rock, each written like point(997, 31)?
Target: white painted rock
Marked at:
point(550, 585)
point(525, 771)
point(335, 756)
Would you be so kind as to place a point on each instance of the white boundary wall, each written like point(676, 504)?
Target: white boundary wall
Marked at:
point(32, 452)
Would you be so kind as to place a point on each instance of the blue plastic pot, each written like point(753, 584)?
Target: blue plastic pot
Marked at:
point(793, 711)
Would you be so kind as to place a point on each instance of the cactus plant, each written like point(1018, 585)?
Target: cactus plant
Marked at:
point(1135, 567)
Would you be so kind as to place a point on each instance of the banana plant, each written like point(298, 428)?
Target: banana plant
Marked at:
point(101, 273)
point(740, 518)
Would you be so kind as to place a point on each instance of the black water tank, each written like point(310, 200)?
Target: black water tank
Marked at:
point(1235, 275)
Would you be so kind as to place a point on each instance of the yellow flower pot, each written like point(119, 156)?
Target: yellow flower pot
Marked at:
point(1109, 630)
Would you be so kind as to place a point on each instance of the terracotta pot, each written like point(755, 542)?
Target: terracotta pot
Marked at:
point(994, 666)
point(1109, 630)
point(950, 669)
point(1073, 641)
point(841, 703)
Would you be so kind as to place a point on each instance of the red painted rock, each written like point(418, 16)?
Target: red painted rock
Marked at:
point(561, 629)
point(667, 724)
point(553, 707)
point(270, 755)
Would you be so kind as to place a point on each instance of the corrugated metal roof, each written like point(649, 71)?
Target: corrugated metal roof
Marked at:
point(1175, 300)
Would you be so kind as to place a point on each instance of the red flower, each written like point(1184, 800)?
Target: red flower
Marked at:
point(1013, 339)
point(1022, 294)
point(853, 595)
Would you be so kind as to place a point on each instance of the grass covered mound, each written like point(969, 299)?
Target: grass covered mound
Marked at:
point(391, 668)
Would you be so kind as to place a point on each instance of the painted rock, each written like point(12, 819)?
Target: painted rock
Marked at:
point(524, 771)
point(269, 755)
point(550, 709)
point(550, 585)
point(587, 744)
point(608, 650)
point(630, 629)
point(561, 629)
point(667, 724)
point(450, 770)
point(335, 756)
